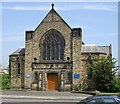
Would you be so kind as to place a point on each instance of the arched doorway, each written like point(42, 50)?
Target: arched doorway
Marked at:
point(52, 81)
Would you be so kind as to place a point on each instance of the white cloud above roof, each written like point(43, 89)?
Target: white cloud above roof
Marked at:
point(63, 8)
point(60, 1)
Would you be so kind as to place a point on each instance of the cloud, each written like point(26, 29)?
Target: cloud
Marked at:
point(60, 0)
point(23, 8)
point(89, 7)
point(99, 7)
point(63, 8)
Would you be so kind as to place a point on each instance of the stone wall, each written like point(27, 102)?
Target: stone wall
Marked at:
point(76, 55)
point(33, 41)
point(17, 79)
point(28, 58)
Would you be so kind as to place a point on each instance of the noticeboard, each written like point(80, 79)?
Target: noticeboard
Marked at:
point(76, 76)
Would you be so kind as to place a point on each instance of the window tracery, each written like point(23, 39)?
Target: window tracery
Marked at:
point(53, 46)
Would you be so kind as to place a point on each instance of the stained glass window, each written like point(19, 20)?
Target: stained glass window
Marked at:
point(53, 46)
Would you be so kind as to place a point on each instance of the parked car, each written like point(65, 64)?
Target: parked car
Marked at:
point(101, 99)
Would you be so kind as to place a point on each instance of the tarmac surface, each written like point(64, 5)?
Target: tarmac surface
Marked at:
point(41, 97)
point(42, 94)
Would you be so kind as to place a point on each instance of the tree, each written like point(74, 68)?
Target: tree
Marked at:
point(6, 81)
point(103, 73)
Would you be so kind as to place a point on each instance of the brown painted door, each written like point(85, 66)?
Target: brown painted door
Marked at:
point(52, 81)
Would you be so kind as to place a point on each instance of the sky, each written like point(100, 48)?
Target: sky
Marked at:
point(98, 20)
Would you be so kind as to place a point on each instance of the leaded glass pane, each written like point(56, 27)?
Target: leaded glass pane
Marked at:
point(53, 46)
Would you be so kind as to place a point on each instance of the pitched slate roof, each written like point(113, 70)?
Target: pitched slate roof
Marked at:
point(106, 49)
point(92, 48)
point(19, 51)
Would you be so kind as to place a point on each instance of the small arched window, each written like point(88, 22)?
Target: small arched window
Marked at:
point(18, 68)
point(53, 46)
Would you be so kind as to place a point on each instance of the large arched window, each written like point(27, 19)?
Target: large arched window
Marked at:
point(53, 46)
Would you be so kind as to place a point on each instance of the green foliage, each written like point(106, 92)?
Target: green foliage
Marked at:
point(6, 81)
point(77, 88)
point(0, 81)
point(103, 73)
point(117, 84)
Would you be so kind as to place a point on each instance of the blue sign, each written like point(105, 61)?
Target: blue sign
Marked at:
point(27, 76)
point(76, 76)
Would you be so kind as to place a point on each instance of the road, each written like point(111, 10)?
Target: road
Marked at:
point(37, 101)
point(41, 97)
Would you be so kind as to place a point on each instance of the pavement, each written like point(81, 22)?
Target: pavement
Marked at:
point(43, 95)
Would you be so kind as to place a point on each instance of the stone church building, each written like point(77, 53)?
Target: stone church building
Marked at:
point(54, 57)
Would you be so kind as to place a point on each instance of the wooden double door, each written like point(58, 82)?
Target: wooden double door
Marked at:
point(52, 81)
